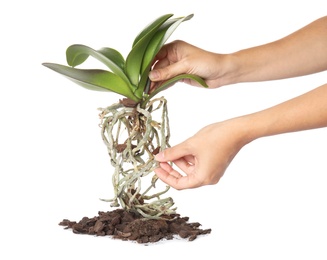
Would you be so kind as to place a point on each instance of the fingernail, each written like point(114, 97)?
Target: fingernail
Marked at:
point(159, 156)
point(153, 75)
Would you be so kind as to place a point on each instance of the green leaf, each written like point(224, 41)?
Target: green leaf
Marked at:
point(150, 26)
point(99, 80)
point(155, 45)
point(175, 79)
point(76, 54)
point(114, 56)
point(134, 59)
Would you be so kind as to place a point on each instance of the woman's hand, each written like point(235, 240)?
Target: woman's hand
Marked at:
point(204, 157)
point(179, 57)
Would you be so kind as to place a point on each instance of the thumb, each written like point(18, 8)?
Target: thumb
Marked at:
point(154, 75)
point(164, 73)
point(172, 153)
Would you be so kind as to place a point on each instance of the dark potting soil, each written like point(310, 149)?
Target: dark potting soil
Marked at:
point(124, 225)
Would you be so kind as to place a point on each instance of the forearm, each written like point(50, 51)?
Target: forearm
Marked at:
point(300, 53)
point(308, 111)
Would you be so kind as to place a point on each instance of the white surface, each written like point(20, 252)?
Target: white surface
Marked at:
point(271, 203)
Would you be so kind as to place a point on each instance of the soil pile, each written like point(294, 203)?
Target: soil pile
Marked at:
point(124, 225)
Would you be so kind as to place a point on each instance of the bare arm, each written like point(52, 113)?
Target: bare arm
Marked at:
point(308, 111)
point(300, 53)
point(203, 166)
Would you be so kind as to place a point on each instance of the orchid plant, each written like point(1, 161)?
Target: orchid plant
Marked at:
point(137, 127)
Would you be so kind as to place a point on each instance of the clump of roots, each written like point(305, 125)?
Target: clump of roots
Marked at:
point(133, 135)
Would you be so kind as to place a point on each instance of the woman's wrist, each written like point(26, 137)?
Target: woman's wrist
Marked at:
point(228, 67)
point(251, 127)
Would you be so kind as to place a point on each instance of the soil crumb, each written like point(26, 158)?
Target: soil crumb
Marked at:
point(130, 226)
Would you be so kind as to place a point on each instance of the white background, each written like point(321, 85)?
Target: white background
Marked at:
point(271, 202)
